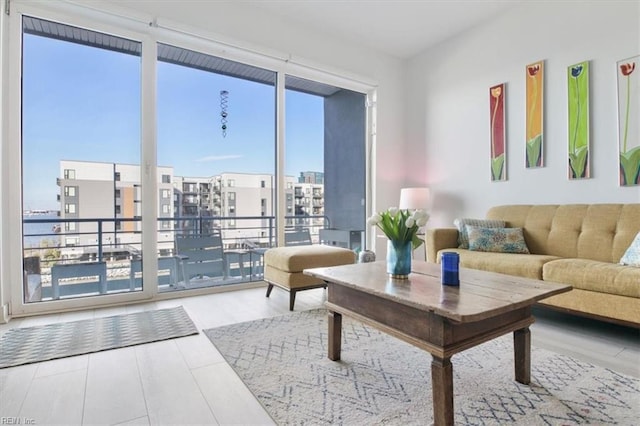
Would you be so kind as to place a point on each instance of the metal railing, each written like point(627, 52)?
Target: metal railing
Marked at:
point(65, 248)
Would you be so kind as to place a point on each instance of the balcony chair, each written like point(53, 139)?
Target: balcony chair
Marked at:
point(299, 237)
point(170, 264)
point(201, 256)
point(78, 270)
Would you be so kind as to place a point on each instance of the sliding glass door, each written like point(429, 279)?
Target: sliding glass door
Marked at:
point(216, 150)
point(81, 192)
point(116, 131)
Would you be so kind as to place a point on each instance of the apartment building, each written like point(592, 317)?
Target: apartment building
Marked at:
point(242, 205)
point(106, 197)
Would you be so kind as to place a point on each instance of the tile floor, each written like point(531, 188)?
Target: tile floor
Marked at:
point(186, 381)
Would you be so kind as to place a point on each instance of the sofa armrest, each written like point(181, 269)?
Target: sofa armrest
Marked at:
point(438, 239)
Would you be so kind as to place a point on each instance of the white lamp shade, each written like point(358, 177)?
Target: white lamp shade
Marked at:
point(414, 198)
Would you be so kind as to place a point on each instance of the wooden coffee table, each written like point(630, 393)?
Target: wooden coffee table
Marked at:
point(440, 319)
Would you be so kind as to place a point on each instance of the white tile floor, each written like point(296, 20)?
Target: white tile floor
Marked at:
point(186, 381)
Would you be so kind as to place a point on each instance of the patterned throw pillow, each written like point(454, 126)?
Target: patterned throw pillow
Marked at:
point(632, 256)
point(463, 234)
point(501, 240)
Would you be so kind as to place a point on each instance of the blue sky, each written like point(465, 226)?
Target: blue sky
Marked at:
point(83, 103)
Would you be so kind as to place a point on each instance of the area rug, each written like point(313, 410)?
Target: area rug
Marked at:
point(42, 343)
point(382, 380)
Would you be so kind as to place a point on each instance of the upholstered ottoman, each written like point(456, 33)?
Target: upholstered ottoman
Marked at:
point(283, 266)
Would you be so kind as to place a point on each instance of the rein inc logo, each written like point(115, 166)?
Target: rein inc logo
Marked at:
point(17, 421)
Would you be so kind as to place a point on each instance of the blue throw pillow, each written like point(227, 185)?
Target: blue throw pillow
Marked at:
point(500, 240)
point(463, 232)
point(632, 256)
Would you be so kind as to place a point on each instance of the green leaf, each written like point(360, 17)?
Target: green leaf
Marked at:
point(578, 161)
point(416, 241)
point(497, 165)
point(630, 165)
point(395, 228)
point(534, 151)
point(388, 227)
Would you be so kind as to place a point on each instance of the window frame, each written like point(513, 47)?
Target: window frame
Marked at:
point(70, 190)
point(108, 21)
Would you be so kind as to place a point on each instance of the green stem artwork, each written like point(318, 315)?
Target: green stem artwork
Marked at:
point(629, 150)
point(578, 88)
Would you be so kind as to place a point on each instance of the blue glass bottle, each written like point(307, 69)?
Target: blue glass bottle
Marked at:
point(450, 268)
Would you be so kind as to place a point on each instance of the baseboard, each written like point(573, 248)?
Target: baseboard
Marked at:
point(4, 318)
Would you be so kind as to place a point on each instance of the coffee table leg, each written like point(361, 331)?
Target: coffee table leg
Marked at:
point(522, 355)
point(335, 335)
point(442, 388)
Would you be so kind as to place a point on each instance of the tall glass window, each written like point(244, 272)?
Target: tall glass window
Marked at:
point(80, 147)
point(216, 139)
point(80, 135)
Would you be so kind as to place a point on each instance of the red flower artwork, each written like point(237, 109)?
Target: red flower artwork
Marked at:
point(627, 69)
point(533, 70)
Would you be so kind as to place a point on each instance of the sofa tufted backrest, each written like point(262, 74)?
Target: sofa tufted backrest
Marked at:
point(589, 231)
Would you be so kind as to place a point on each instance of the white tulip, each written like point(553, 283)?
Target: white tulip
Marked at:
point(419, 214)
point(374, 220)
point(393, 211)
point(423, 220)
point(409, 222)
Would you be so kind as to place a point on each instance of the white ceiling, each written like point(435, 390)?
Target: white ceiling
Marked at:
point(402, 28)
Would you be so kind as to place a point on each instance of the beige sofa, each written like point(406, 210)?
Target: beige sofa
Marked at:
point(576, 244)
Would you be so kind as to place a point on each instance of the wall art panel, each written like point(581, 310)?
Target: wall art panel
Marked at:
point(535, 115)
point(498, 134)
point(629, 120)
point(578, 97)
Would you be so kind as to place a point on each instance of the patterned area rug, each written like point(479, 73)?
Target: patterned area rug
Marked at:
point(42, 343)
point(382, 380)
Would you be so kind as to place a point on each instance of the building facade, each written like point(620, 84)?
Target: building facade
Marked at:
point(105, 198)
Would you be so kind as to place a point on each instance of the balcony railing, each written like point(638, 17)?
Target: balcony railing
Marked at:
point(86, 257)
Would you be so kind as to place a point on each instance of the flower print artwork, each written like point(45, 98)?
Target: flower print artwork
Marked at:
point(534, 125)
point(498, 142)
point(629, 121)
point(578, 98)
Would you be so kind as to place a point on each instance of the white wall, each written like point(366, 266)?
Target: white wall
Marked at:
point(448, 107)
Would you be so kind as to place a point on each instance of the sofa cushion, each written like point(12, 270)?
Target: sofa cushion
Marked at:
point(631, 257)
point(599, 232)
point(463, 234)
point(500, 240)
point(602, 277)
point(522, 265)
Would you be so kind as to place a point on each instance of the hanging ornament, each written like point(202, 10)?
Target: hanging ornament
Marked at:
point(224, 103)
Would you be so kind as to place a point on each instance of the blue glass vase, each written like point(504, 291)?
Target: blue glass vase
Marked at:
point(399, 259)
